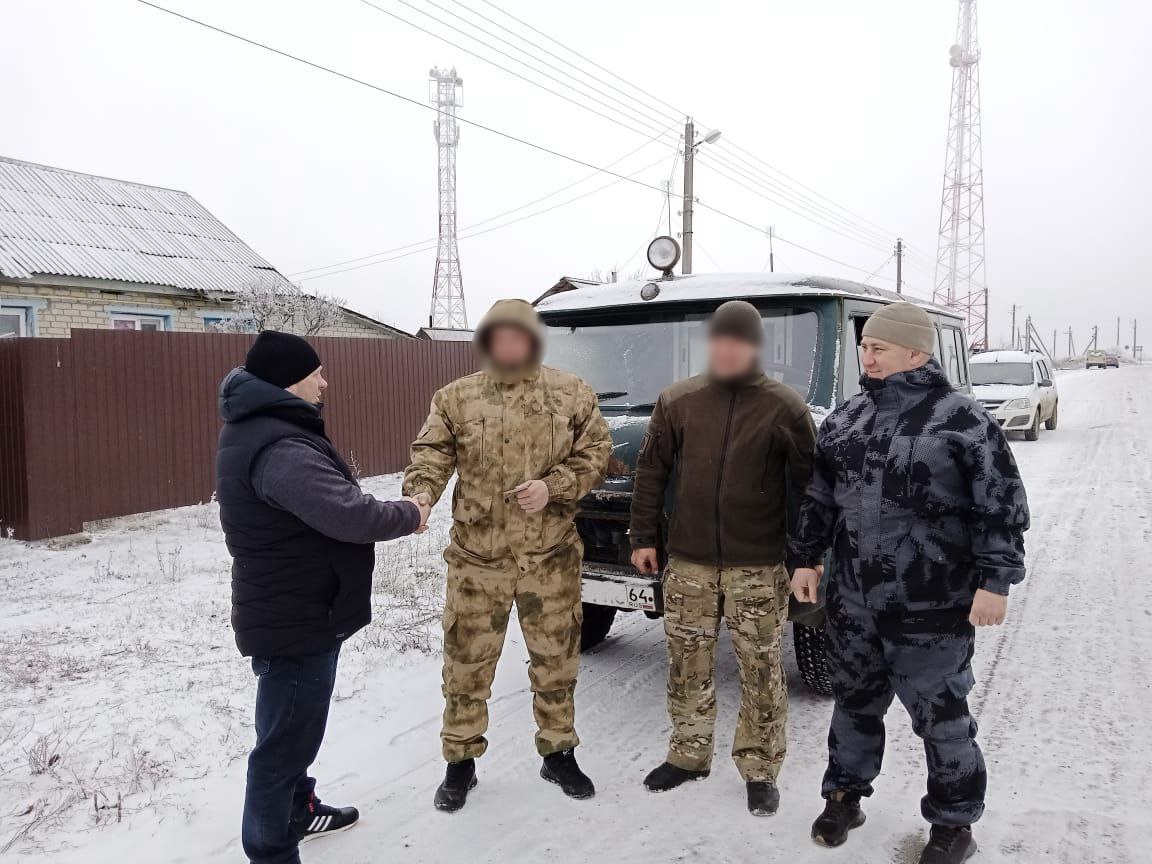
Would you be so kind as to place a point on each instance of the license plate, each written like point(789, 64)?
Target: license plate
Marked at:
point(623, 595)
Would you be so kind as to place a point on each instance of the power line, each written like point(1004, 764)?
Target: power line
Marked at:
point(726, 143)
point(744, 184)
point(587, 60)
point(820, 212)
point(474, 124)
point(629, 105)
point(517, 209)
point(430, 244)
point(503, 68)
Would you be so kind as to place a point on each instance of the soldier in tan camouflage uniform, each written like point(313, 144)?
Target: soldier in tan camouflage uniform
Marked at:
point(735, 440)
point(527, 442)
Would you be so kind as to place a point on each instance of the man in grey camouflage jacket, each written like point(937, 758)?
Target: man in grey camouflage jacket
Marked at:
point(916, 492)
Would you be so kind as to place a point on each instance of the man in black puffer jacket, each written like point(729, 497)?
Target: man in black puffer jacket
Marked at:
point(915, 491)
point(301, 536)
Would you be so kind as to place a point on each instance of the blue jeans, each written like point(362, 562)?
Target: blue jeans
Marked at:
point(292, 698)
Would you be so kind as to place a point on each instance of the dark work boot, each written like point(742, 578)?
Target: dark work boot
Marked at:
point(948, 845)
point(561, 769)
point(459, 780)
point(841, 814)
point(669, 776)
point(763, 798)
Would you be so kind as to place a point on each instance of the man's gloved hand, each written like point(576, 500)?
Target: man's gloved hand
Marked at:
point(644, 560)
point(532, 496)
point(988, 608)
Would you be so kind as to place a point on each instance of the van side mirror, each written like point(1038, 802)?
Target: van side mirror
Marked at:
point(1045, 382)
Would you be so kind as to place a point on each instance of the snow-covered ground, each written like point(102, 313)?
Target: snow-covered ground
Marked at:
point(117, 656)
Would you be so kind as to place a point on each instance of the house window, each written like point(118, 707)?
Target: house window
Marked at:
point(14, 322)
point(153, 323)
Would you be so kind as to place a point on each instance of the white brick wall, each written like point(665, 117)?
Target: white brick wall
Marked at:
point(86, 308)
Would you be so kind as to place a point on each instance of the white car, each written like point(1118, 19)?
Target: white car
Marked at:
point(1017, 388)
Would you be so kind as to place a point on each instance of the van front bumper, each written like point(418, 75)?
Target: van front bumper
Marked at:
point(620, 588)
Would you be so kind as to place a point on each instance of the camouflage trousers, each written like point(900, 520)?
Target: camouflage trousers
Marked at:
point(480, 598)
point(925, 660)
point(754, 602)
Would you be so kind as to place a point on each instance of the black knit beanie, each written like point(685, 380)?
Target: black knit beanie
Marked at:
point(737, 319)
point(282, 359)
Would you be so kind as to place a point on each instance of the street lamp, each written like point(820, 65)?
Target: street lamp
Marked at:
point(691, 144)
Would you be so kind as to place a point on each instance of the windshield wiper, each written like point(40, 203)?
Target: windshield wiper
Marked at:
point(611, 394)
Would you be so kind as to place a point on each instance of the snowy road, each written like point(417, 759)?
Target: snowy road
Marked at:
point(1063, 702)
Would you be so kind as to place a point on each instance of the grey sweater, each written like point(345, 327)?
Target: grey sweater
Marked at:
point(296, 476)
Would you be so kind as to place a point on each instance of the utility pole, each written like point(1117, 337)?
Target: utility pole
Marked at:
point(1028, 333)
point(1095, 336)
point(689, 170)
point(899, 265)
point(1117, 332)
point(690, 147)
point(1015, 339)
point(1053, 343)
point(772, 252)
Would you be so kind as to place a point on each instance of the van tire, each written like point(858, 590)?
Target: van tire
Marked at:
point(810, 644)
point(1032, 433)
point(597, 622)
point(1050, 423)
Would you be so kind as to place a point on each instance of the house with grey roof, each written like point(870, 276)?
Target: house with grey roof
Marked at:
point(82, 251)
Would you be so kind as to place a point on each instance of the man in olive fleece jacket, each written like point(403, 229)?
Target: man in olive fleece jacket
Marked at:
point(736, 440)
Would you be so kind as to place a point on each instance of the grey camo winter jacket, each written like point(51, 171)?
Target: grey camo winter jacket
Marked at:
point(915, 490)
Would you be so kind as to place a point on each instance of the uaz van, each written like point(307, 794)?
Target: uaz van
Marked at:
point(630, 340)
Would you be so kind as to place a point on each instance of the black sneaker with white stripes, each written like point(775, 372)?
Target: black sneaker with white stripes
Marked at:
point(321, 820)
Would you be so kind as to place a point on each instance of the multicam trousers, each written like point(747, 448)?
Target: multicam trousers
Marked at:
point(480, 597)
point(754, 602)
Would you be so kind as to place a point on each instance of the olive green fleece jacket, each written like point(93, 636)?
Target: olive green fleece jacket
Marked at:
point(734, 449)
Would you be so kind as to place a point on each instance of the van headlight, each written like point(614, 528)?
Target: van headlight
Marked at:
point(1021, 404)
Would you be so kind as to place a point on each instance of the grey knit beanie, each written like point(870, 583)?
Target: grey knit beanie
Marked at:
point(737, 319)
point(903, 324)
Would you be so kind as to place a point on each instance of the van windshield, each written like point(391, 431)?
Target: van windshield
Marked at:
point(631, 359)
point(1001, 373)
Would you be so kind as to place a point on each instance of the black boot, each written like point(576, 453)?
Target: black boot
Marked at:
point(561, 769)
point(669, 776)
point(763, 798)
point(841, 814)
point(459, 780)
point(948, 845)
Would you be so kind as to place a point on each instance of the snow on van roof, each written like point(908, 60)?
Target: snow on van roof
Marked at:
point(1004, 357)
point(715, 286)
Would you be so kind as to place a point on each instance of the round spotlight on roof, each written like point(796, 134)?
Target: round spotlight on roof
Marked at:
point(663, 254)
point(650, 291)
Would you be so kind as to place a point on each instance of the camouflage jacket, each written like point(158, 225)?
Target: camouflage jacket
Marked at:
point(496, 435)
point(915, 489)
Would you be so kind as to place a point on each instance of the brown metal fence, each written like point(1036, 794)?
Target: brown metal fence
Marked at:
point(109, 423)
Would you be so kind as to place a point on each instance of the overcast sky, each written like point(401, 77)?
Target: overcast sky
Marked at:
point(849, 98)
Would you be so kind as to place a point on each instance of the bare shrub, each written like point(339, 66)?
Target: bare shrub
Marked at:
point(43, 755)
point(170, 567)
